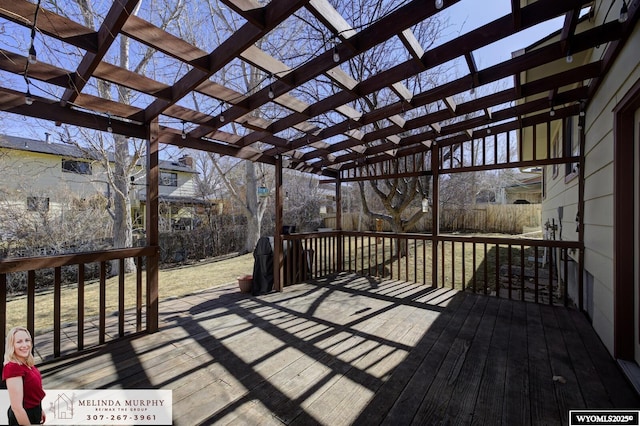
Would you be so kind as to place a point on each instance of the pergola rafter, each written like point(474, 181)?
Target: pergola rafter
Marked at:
point(399, 127)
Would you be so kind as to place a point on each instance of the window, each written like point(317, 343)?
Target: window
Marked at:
point(571, 147)
point(168, 179)
point(555, 153)
point(74, 166)
point(38, 204)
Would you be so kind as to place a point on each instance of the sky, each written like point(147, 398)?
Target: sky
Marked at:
point(463, 17)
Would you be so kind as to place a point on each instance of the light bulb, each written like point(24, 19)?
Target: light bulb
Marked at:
point(472, 90)
point(271, 94)
point(624, 13)
point(488, 131)
point(222, 118)
point(32, 55)
point(439, 4)
point(336, 55)
point(28, 99)
point(109, 128)
point(569, 57)
point(552, 112)
point(184, 135)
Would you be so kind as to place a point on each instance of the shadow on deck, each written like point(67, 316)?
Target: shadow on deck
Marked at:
point(352, 350)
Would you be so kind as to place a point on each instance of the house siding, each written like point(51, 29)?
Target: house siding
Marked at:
point(599, 190)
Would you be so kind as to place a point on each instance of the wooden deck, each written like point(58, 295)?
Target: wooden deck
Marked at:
point(351, 350)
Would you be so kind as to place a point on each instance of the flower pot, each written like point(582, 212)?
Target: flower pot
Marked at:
point(245, 283)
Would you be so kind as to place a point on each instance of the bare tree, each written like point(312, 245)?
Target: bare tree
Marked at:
point(119, 156)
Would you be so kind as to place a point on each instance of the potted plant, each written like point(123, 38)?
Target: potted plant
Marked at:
point(245, 282)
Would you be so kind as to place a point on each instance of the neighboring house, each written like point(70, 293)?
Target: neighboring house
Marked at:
point(527, 190)
point(46, 176)
point(608, 130)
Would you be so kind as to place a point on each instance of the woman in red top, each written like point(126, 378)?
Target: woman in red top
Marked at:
point(24, 381)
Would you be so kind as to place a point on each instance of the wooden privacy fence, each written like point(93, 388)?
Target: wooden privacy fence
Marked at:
point(499, 218)
point(83, 313)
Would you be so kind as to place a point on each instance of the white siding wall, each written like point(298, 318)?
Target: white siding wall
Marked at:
point(599, 199)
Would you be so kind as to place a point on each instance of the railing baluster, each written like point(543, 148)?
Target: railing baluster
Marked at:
point(497, 274)
point(535, 275)
point(464, 261)
point(57, 304)
point(443, 277)
point(424, 262)
point(565, 294)
point(391, 258)
point(486, 270)
point(384, 255)
point(81, 306)
point(121, 298)
point(475, 290)
point(415, 260)
point(509, 274)
point(551, 262)
point(453, 264)
point(3, 313)
point(139, 294)
point(102, 302)
point(31, 301)
point(522, 272)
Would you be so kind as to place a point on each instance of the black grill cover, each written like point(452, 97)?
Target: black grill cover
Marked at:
point(262, 267)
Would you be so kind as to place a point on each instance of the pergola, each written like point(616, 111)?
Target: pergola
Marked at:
point(350, 149)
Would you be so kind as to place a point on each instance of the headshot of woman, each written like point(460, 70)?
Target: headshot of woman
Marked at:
point(24, 381)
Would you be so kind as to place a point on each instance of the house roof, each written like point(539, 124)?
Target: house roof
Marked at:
point(71, 151)
point(332, 134)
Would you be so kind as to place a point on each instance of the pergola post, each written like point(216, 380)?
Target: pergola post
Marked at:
point(435, 214)
point(278, 258)
point(339, 225)
point(151, 213)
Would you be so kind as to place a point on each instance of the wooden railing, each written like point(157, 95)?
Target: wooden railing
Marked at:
point(79, 306)
point(95, 310)
point(515, 268)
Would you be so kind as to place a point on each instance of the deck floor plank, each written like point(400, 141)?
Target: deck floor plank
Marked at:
point(353, 350)
point(491, 397)
point(518, 410)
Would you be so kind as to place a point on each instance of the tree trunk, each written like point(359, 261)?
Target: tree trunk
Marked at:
point(254, 216)
point(122, 227)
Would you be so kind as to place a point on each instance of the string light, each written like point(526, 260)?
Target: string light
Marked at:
point(28, 99)
point(336, 55)
point(184, 134)
point(624, 13)
point(221, 106)
point(32, 55)
point(439, 4)
point(552, 112)
point(271, 94)
point(109, 128)
point(569, 57)
point(32, 59)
